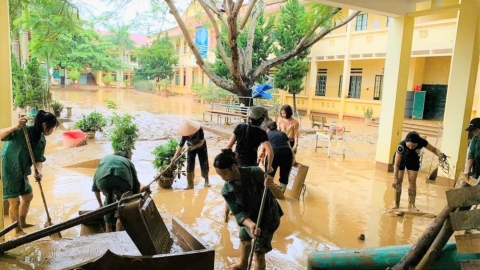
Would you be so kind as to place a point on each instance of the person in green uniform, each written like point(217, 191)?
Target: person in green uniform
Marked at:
point(473, 162)
point(114, 176)
point(16, 164)
point(243, 191)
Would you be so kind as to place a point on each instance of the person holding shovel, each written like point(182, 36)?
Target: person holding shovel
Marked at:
point(473, 162)
point(243, 191)
point(114, 176)
point(17, 163)
point(407, 157)
point(192, 134)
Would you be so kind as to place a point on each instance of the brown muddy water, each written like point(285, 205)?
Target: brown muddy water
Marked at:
point(344, 197)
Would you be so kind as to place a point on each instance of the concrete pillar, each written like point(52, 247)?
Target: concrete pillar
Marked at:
point(461, 86)
point(397, 63)
point(188, 79)
point(347, 65)
point(312, 83)
point(6, 85)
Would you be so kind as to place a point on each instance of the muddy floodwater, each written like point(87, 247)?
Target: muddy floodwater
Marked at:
point(343, 198)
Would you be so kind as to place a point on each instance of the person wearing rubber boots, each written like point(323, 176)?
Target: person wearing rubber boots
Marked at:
point(114, 176)
point(243, 192)
point(192, 134)
point(407, 157)
point(473, 161)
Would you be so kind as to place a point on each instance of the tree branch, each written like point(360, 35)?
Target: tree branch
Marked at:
point(220, 47)
point(247, 14)
point(251, 36)
point(265, 66)
point(238, 6)
point(312, 31)
point(216, 79)
point(215, 10)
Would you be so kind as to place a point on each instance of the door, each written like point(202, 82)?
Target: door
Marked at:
point(355, 88)
point(418, 104)
point(409, 104)
point(435, 100)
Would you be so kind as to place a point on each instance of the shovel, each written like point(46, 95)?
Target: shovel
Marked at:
point(49, 220)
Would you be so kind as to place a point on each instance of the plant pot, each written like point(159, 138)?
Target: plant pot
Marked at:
point(90, 134)
point(57, 113)
point(165, 182)
point(368, 121)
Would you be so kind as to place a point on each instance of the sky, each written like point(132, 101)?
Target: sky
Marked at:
point(136, 10)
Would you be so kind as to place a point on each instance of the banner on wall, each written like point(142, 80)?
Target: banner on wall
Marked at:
point(201, 40)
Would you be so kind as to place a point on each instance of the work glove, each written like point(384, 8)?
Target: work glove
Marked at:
point(442, 157)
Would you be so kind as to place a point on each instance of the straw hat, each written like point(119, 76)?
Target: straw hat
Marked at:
point(188, 127)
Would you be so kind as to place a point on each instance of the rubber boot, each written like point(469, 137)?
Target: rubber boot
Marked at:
point(205, 176)
point(245, 249)
point(260, 263)
point(412, 194)
point(398, 195)
point(190, 177)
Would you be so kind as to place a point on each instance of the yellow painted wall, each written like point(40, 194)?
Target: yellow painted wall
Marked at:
point(334, 70)
point(436, 70)
point(438, 16)
point(416, 74)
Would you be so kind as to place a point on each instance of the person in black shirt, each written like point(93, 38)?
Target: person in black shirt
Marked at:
point(407, 157)
point(249, 137)
point(282, 153)
point(192, 134)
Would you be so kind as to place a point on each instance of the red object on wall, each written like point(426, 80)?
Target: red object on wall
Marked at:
point(417, 88)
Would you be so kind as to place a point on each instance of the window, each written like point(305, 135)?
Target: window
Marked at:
point(377, 88)
point(203, 77)
point(184, 77)
point(361, 23)
point(389, 21)
point(321, 82)
point(177, 78)
point(340, 86)
point(177, 48)
point(355, 88)
point(185, 47)
point(133, 58)
point(193, 77)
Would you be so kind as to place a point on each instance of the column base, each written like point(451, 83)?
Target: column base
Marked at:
point(384, 166)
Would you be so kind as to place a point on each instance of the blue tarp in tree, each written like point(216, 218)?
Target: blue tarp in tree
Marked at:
point(261, 91)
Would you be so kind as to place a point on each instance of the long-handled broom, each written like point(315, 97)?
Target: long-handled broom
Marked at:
point(49, 220)
point(259, 219)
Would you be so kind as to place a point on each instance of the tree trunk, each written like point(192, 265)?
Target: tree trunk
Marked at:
point(294, 103)
point(47, 84)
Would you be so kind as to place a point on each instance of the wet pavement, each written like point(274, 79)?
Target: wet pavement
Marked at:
point(344, 197)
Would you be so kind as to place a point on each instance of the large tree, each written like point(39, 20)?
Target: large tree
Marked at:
point(156, 60)
point(236, 20)
point(88, 48)
point(287, 34)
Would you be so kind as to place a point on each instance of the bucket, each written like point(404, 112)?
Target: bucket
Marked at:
point(73, 138)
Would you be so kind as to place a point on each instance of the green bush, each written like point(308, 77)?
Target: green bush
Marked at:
point(163, 157)
point(94, 121)
point(211, 94)
point(124, 133)
point(74, 75)
point(108, 79)
point(56, 106)
point(144, 86)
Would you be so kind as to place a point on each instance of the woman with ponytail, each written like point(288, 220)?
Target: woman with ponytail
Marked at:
point(242, 191)
point(16, 163)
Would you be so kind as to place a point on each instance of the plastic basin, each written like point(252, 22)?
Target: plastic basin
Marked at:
point(73, 138)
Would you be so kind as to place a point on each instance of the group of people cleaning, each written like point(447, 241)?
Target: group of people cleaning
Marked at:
point(256, 140)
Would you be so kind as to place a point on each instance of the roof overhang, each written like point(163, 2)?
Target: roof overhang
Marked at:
point(390, 8)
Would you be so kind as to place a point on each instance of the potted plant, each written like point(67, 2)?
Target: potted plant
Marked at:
point(163, 157)
point(163, 87)
point(126, 82)
point(91, 123)
point(108, 79)
point(57, 108)
point(368, 113)
point(74, 75)
point(124, 133)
